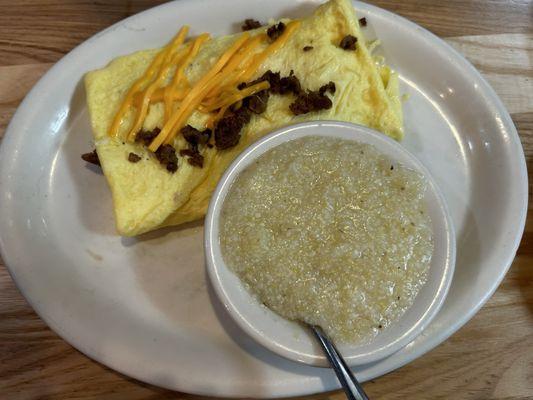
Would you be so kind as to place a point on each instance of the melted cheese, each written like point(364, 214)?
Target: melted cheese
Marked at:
point(210, 124)
point(140, 83)
point(158, 95)
point(238, 58)
point(215, 90)
point(246, 74)
point(258, 59)
point(237, 96)
point(168, 61)
point(171, 92)
point(195, 96)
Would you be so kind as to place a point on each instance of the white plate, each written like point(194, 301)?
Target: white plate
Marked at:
point(141, 306)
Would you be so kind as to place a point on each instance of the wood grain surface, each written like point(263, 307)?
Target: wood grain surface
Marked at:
point(489, 358)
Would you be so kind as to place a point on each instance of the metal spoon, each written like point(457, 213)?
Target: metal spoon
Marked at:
point(351, 386)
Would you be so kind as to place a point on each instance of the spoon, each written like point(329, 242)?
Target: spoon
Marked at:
point(352, 388)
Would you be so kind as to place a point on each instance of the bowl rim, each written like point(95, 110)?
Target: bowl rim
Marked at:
point(214, 264)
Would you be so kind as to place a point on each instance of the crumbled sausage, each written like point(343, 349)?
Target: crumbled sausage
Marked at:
point(362, 21)
point(194, 157)
point(279, 85)
point(166, 154)
point(186, 152)
point(228, 129)
point(308, 48)
point(290, 84)
point(205, 136)
point(146, 137)
point(195, 136)
point(250, 24)
point(91, 157)
point(310, 101)
point(348, 42)
point(132, 157)
point(328, 87)
point(190, 134)
point(275, 31)
point(257, 103)
point(197, 160)
point(273, 78)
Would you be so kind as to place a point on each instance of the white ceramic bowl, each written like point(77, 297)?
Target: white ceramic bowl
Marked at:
point(290, 339)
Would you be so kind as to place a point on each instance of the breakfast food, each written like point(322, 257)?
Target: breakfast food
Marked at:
point(168, 122)
point(330, 232)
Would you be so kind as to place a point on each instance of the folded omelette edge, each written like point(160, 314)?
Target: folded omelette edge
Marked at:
point(146, 196)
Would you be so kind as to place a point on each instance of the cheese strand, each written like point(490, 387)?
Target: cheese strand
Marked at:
point(168, 60)
point(196, 94)
point(236, 61)
point(236, 96)
point(152, 69)
point(170, 92)
point(253, 63)
point(210, 123)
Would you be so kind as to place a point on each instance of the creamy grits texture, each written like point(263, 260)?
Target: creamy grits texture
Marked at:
point(329, 232)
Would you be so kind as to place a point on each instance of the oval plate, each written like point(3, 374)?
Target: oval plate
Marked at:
point(142, 306)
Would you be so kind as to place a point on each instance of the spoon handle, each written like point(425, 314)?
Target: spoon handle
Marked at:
point(351, 386)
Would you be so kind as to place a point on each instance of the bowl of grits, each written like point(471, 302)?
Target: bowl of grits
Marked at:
point(330, 224)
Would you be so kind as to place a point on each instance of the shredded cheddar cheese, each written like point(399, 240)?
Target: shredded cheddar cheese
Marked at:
point(168, 61)
point(278, 43)
point(158, 95)
point(171, 91)
point(237, 96)
point(193, 98)
point(215, 117)
point(213, 94)
point(253, 63)
point(140, 83)
point(237, 60)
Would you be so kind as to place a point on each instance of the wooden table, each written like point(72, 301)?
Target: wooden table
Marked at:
point(490, 358)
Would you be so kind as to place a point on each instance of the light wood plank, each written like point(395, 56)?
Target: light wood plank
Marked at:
point(506, 61)
point(43, 31)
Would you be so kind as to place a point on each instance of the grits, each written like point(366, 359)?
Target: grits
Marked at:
point(330, 232)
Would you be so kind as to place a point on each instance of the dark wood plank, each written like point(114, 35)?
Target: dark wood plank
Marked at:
point(43, 31)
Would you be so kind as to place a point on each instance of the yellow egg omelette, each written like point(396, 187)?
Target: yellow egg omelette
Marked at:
point(196, 82)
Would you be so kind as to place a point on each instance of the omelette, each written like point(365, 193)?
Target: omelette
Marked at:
point(168, 122)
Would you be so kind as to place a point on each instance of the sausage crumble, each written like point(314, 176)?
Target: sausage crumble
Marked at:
point(275, 31)
point(91, 158)
point(134, 158)
point(250, 24)
point(348, 42)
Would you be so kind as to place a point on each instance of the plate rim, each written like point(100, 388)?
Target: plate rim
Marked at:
point(9, 140)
